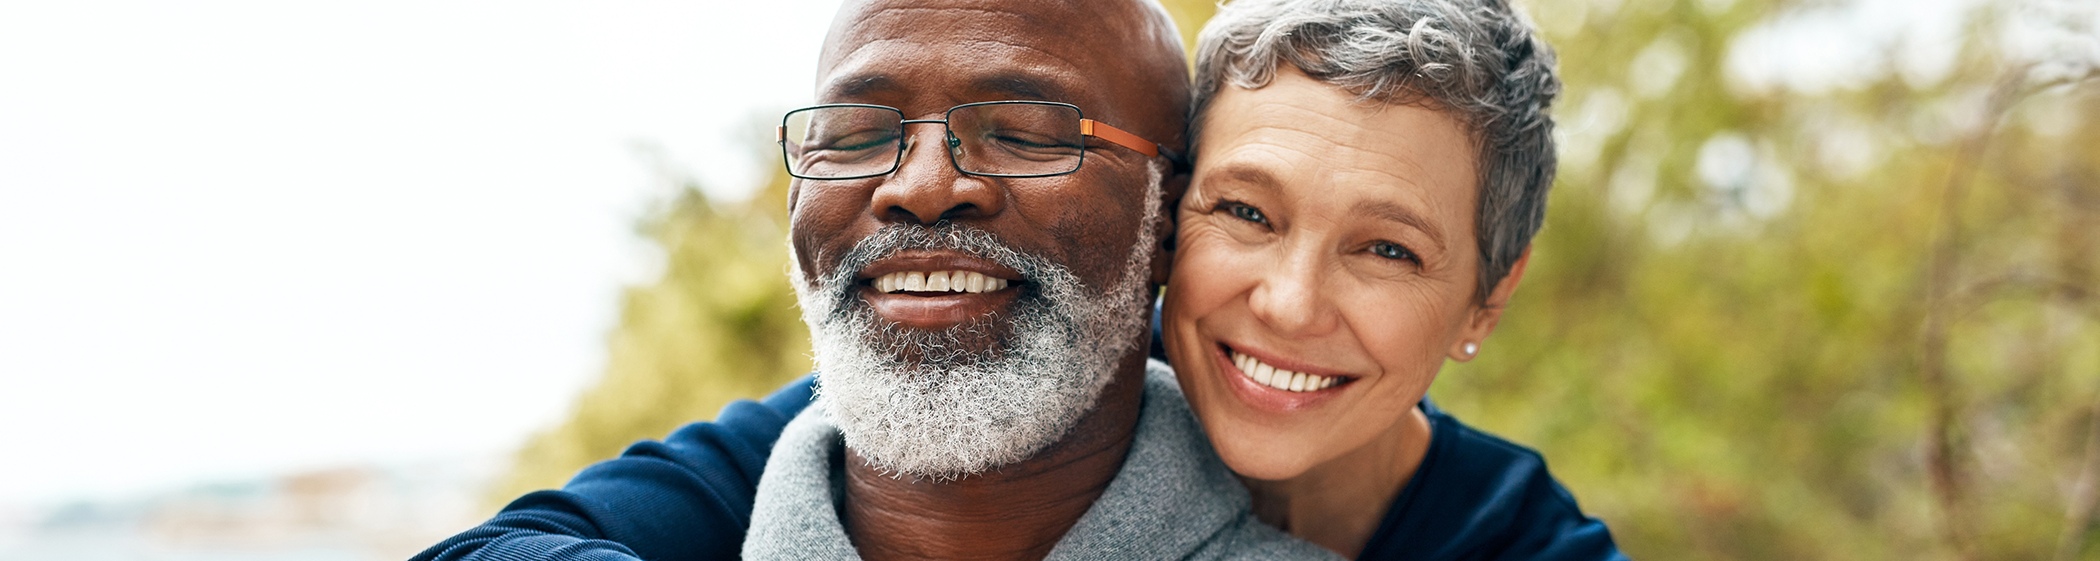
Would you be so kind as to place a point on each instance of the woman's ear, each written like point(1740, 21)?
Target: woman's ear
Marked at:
point(1169, 224)
point(1489, 313)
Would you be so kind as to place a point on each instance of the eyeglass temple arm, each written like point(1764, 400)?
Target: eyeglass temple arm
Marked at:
point(1097, 129)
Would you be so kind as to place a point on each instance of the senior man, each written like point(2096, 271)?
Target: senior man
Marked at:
point(977, 225)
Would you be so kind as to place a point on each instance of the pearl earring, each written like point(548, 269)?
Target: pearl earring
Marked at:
point(1472, 348)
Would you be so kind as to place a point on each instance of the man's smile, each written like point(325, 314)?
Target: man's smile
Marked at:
point(935, 283)
point(937, 289)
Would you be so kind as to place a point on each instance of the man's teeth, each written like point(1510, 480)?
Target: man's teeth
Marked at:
point(1279, 378)
point(938, 281)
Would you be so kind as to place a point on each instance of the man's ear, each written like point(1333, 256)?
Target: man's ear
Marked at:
point(1489, 313)
point(1169, 201)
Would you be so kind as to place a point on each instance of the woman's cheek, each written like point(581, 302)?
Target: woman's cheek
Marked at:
point(1195, 241)
point(1220, 270)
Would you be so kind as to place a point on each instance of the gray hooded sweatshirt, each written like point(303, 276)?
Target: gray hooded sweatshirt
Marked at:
point(1173, 499)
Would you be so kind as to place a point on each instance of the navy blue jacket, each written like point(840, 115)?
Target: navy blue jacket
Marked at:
point(1477, 496)
point(689, 497)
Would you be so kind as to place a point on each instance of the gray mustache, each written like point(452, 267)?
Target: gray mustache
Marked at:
point(945, 236)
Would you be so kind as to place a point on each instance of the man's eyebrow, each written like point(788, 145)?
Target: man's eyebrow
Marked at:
point(1021, 86)
point(997, 86)
point(1390, 211)
point(861, 85)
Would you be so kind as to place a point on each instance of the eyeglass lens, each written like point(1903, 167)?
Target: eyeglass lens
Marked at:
point(1004, 139)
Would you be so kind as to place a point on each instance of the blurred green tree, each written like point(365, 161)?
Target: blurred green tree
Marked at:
point(1845, 323)
point(720, 325)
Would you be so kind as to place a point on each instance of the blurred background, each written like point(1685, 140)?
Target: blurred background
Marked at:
point(334, 280)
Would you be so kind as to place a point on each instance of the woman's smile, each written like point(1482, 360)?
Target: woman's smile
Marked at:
point(1258, 382)
point(1280, 378)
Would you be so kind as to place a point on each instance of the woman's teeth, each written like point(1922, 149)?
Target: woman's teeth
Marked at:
point(938, 281)
point(1279, 378)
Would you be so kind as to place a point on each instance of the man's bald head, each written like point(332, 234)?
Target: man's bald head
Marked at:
point(1121, 61)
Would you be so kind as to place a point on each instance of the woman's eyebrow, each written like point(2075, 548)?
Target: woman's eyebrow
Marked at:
point(1394, 212)
point(1247, 175)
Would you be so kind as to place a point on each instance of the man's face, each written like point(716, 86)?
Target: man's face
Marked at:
point(1047, 276)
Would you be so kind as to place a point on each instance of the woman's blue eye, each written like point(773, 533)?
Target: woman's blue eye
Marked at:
point(1247, 213)
point(1390, 250)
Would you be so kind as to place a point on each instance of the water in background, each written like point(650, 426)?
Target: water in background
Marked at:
point(350, 513)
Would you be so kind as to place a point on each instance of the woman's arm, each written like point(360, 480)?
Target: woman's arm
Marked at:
point(687, 497)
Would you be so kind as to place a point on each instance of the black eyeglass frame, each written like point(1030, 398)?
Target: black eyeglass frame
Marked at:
point(1087, 127)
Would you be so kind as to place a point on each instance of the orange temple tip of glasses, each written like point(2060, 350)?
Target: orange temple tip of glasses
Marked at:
point(780, 133)
point(1093, 128)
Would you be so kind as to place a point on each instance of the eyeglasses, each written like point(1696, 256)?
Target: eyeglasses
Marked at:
point(991, 139)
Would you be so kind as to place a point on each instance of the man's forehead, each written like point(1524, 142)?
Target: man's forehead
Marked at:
point(1020, 50)
point(1047, 22)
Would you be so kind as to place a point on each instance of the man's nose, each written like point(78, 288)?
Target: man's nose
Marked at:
point(926, 188)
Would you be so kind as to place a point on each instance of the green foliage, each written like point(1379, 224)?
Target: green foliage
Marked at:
point(720, 325)
point(1875, 335)
point(1746, 370)
point(1189, 16)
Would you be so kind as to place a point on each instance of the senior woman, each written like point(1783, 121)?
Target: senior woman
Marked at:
point(1369, 175)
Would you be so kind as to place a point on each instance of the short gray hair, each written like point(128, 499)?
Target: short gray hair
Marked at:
point(1479, 60)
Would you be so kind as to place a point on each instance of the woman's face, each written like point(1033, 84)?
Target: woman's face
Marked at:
point(1325, 237)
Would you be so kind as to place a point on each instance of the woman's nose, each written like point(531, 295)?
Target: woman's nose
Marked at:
point(1288, 300)
point(927, 188)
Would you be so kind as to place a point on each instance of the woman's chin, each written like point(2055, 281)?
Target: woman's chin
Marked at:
point(1261, 432)
point(1264, 463)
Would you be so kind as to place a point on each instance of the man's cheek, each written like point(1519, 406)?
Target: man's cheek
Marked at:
point(805, 253)
point(1094, 244)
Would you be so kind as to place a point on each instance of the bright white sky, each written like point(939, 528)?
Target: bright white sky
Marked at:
point(239, 237)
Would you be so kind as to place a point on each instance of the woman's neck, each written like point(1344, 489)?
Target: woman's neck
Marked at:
point(1339, 504)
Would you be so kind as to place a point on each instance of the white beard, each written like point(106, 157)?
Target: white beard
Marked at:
point(960, 401)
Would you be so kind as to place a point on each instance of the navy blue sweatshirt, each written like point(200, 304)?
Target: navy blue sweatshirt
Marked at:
point(689, 497)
